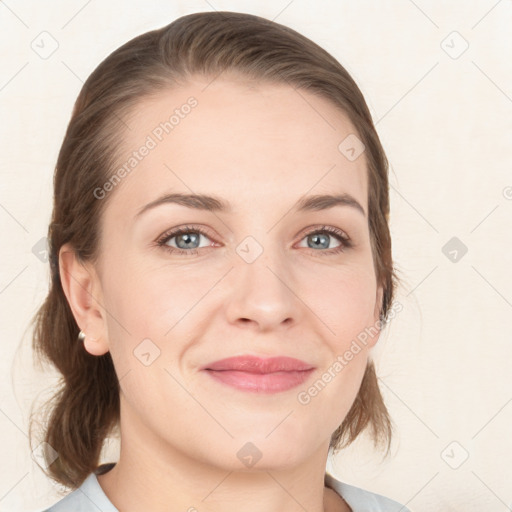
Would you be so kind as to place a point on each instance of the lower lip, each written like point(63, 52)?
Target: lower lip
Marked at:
point(261, 382)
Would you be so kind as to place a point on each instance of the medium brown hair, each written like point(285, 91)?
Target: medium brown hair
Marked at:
point(85, 409)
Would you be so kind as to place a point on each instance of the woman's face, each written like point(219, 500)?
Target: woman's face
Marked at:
point(256, 278)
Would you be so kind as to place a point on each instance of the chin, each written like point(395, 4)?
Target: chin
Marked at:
point(260, 453)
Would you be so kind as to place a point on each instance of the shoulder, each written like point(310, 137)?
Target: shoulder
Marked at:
point(89, 497)
point(360, 500)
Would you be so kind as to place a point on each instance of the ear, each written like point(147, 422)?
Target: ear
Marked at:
point(82, 288)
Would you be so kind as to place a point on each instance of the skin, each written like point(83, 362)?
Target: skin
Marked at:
point(260, 147)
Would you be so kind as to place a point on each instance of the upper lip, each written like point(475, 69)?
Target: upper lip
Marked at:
point(253, 364)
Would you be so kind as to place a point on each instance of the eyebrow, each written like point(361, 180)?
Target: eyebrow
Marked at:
point(216, 204)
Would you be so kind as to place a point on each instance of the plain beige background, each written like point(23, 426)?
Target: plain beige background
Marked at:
point(437, 77)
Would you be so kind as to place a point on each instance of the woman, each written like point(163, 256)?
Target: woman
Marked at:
point(221, 268)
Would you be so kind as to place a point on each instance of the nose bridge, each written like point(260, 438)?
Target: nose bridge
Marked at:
point(263, 283)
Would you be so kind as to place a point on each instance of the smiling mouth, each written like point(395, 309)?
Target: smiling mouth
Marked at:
point(273, 382)
point(260, 374)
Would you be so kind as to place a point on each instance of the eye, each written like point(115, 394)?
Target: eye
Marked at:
point(320, 238)
point(186, 240)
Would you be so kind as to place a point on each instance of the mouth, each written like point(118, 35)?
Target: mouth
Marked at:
point(259, 375)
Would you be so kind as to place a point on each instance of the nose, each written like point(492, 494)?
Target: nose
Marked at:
point(263, 293)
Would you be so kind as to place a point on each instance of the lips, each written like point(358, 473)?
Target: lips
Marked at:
point(259, 375)
point(252, 364)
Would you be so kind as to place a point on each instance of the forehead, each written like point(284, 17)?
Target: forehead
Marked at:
point(250, 143)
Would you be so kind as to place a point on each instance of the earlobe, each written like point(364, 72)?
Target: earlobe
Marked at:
point(95, 346)
point(83, 292)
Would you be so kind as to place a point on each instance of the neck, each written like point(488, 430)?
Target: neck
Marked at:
point(151, 475)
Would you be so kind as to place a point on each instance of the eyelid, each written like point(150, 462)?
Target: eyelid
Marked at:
point(171, 233)
point(331, 230)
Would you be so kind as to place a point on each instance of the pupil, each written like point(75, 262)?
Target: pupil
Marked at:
point(317, 243)
point(187, 238)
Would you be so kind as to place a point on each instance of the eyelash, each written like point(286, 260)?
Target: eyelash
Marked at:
point(346, 243)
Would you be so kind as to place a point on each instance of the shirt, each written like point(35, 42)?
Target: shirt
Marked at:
point(89, 497)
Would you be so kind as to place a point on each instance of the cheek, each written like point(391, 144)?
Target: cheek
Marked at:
point(345, 305)
point(160, 303)
point(159, 300)
point(344, 300)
